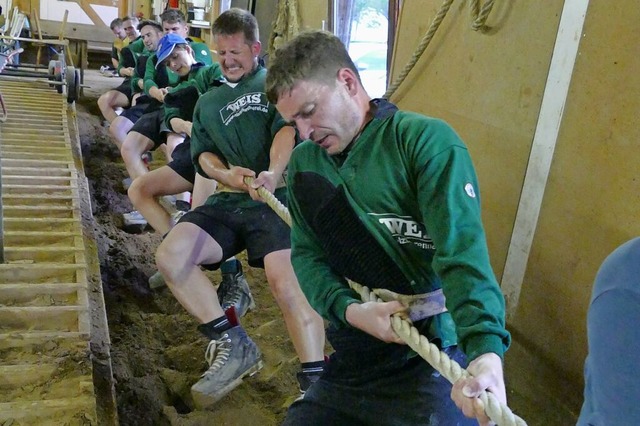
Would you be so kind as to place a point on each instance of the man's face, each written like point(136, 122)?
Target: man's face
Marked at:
point(119, 32)
point(131, 28)
point(150, 37)
point(236, 57)
point(180, 60)
point(324, 113)
point(176, 28)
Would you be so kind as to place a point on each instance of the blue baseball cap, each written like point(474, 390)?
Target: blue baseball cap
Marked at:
point(166, 45)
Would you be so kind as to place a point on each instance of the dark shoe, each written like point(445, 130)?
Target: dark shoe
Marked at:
point(305, 380)
point(234, 291)
point(231, 358)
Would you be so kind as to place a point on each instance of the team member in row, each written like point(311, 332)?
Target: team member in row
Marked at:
point(389, 199)
point(237, 133)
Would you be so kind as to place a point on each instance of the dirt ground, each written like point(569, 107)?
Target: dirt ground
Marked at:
point(157, 353)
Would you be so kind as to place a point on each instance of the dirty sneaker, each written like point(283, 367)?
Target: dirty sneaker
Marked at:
point(177, 215)
point(126, 183)
point(234, 291)
point(156, 281)
point(134, 218)
point(231, 358)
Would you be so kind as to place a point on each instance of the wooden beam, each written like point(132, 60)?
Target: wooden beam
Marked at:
point(75, 31)
point(34, 40)
point(541, 156)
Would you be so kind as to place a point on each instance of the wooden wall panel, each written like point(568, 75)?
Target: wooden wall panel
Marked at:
point(489, 87)
point(592, 199)
point(484, 86)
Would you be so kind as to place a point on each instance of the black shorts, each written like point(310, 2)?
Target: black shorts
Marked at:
point(125, 88)
point(134, 113)
point(151, 125)
point(257, 229)
point(182, 163)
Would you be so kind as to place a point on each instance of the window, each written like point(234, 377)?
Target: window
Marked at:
point(365, 28)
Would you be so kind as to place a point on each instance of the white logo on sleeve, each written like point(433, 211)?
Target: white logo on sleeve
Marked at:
point(204, 52)
point(468, 188)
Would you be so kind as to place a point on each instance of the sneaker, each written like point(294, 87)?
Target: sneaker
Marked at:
point(134, 218)
point(106, 70)
point(305, 380)
point(234, 291)
point(183, 205)
point(156, 281)
point(147, 157)
point(177, 215)
point(231, 358)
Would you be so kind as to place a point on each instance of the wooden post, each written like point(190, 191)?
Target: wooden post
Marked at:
point(34, 14)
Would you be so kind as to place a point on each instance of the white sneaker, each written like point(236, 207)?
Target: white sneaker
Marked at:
point(157, 281)
point(175, 216)
point(106, 70)
point(134, 218)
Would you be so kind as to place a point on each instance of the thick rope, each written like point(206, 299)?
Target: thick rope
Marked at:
point(450, 369)
point(479, 19)
point(271, 201)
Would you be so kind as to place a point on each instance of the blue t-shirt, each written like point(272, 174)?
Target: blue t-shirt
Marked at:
point(612, 388)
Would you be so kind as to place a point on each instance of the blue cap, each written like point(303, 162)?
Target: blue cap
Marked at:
point(166, 45)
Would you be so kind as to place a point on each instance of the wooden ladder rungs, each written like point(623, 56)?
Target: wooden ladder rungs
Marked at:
point(15, 161)
point(49, 211)
point(22, 374)
point(34, 337)
point(39, 197)
point(39, 171)
point(43, 318)
point(8, 290)
point(40, 272)
point(32, 410)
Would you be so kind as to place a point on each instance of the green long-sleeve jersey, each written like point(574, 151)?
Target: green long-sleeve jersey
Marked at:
point(202, 78)
point(201, 53)
point(411, 183)
point(128, 55)
point(236, 122)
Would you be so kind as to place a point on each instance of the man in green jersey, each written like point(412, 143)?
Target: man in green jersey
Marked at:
point(237, 133)
point(179, 175)
point(120, 97)
point(150, 34)
point(388, 199)
point(148, 133)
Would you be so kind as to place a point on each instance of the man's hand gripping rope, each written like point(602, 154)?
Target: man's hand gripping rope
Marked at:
point(496, 411)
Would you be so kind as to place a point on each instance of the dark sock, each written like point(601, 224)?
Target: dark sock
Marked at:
point(183, 205)
point(214, 329)
point(315, 367)
point(230, 266)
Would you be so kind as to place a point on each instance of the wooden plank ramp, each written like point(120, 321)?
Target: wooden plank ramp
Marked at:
point(48, 310)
